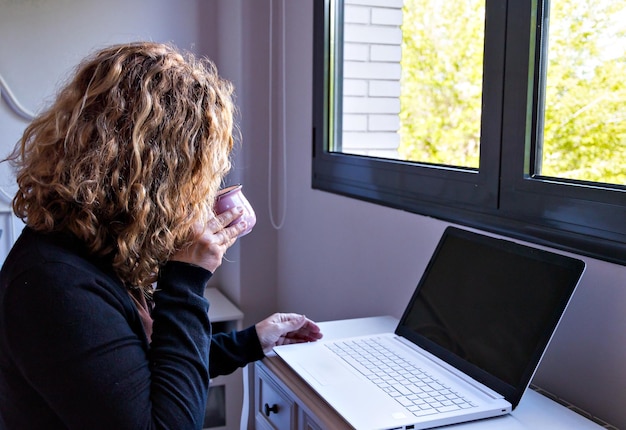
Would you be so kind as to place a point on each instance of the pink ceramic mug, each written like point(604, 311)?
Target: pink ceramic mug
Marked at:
point(231, 197)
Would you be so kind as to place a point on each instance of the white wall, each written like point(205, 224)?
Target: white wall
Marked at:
point(334, 257)
point(42, 41)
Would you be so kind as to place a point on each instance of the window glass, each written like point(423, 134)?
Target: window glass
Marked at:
point(442, 63)
point(584, 124)
point(412, 79)
point(503, 116)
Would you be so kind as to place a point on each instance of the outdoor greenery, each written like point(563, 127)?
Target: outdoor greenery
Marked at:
point(584, 135)
point(442, 58)
point(585, 103)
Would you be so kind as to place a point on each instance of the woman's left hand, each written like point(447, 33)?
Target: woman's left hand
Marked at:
point(213, 240)
point(286, 328)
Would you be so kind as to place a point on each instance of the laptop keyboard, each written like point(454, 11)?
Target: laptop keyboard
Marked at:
point(407, 384)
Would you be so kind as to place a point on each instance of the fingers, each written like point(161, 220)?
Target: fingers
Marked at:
point(226, 221)
point(303, 336)
point(299, 328)
point(302, 323)
point(213, 240)
point(225, 228)
point(286, 328)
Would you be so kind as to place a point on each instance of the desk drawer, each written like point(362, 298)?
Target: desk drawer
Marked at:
point(273, 406)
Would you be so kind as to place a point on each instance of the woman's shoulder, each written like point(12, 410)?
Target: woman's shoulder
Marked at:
point(47, 246)
point(56, 263)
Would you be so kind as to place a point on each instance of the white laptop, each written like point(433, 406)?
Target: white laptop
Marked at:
point(466, 347)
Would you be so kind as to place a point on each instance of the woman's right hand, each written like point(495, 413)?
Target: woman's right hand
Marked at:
point(213, 240)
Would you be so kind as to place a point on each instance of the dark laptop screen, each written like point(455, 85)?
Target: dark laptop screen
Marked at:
point(491, 303)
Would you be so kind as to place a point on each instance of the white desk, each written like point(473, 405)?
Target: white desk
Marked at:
point(296, 406)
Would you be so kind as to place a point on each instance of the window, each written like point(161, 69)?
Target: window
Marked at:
point(584, 93)
point(508, 116)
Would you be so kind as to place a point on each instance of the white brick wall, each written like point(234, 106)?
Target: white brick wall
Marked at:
point(383, 123)
point(371, 80)
point(384, 16)
point(372, 70)
point(384, 88)
point(355, 87)
point(391, 53)
point(396, 4)
point(359, 33)
point(371, 105)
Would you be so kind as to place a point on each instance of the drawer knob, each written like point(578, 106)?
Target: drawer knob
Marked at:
point(269, 409)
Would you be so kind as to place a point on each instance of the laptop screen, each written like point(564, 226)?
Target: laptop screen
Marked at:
point(490, 306)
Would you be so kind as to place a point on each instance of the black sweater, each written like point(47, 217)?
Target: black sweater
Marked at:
point(74, 354)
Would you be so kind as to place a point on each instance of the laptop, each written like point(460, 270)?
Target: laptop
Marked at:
point(465, 348)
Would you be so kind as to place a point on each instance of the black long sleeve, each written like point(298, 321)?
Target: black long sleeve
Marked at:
point(73, 353)
point(230, 351)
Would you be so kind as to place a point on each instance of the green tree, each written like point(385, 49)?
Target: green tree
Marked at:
point(584, 135)
point(442, 58)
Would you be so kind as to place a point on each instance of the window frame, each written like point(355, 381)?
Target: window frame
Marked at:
point(503, 195)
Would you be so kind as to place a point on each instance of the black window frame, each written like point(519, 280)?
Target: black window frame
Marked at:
point(504, 195)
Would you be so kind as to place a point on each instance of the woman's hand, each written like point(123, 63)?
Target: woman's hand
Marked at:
point(283, 329)
point(213, 240)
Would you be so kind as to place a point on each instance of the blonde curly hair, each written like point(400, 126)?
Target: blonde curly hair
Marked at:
point(129, 156)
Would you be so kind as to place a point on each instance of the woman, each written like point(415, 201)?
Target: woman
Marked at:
point(103, 323)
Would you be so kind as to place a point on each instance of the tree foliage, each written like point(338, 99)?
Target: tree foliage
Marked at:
point(442, 54)
point(584, 135)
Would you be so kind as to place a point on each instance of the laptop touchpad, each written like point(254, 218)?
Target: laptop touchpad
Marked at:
point(326, 370)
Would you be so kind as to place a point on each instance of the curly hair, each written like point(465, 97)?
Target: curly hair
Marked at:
point(129, 156)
